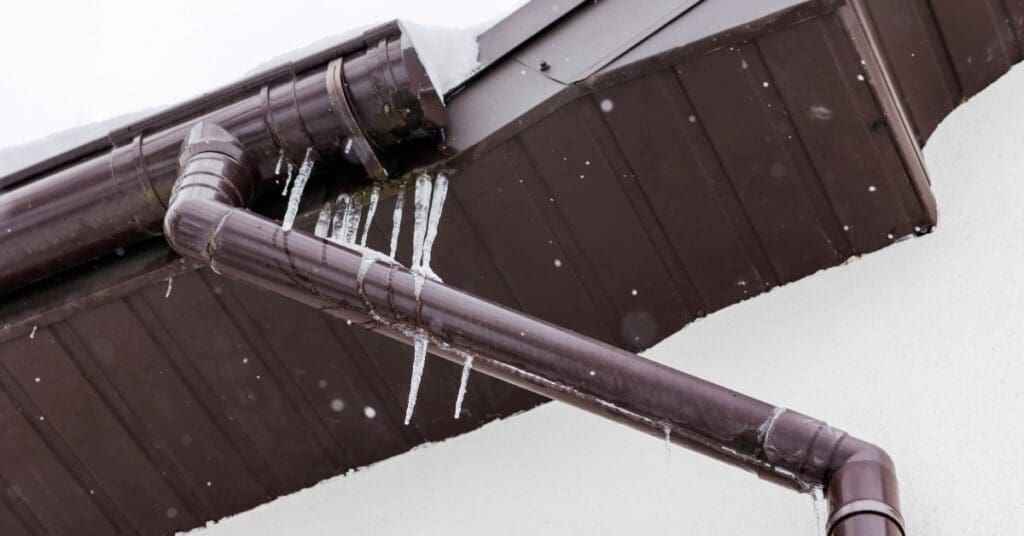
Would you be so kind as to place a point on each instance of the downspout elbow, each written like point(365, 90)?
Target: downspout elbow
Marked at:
point(217, 176)
point(191, 227)
point(863, 492)
point(859, 478)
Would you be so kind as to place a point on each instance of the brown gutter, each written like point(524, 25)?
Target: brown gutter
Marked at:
point(207, 221)
point(86, 205)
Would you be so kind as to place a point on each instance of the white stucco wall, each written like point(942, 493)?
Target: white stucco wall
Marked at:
point(919, 348)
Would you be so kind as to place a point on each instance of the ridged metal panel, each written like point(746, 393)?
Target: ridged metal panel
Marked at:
point(845, 135)
point(680, 180)
point(979, 38)
point(739, 107)
point(610, 247)
point(945, 51)
point(704, 182)
point(38, 484)
point(174, 435)
point(79, 427)
point(152, 414)
point(528, 254)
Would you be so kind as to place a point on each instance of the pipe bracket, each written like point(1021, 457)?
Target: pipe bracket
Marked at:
point(340, 105)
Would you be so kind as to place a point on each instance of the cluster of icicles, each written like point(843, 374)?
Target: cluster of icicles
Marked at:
point(339, 222)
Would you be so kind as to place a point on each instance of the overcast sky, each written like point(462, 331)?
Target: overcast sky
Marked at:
point(70, 62)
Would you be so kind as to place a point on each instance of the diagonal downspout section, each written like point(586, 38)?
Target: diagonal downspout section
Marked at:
point(206, 220)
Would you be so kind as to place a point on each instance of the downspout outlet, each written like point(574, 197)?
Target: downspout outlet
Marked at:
point(863, 492)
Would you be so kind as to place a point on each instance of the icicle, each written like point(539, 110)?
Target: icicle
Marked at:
point(280, 162)
point(300, 185)
point(33, 334)
point(288, 180)
point(419, 359)
point(341, 225)
point(820, 510)
point(369, 257)
point(466, 367)
point(396, 223)
point(668, 445)
point(417, 282)
point(436, 207)
point(341, 208)
point(374, 199)
point(352, 217)
point(170, 286)
point(422, 211)
point(323, 222)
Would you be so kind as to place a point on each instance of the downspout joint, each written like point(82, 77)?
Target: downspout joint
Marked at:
point(865, 506)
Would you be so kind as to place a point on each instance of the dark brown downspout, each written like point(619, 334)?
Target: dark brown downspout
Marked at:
point(207, 221)
point(363, 100)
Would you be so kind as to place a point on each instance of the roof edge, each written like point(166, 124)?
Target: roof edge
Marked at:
point(195, 106)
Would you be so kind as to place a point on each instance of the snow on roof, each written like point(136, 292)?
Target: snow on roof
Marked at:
point(449, 54)
point(17, 157)
point(917, 348)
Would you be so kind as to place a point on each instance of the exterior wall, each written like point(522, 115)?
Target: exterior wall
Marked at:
point(916, 346)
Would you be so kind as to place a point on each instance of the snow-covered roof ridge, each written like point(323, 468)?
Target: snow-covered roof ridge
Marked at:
point(448, 53)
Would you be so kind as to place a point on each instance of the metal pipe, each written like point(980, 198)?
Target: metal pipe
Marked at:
point(206, 222)
point(373, 97)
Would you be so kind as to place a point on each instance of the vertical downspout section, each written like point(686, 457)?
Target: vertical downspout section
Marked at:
point(216, 176)
point(206, 221)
